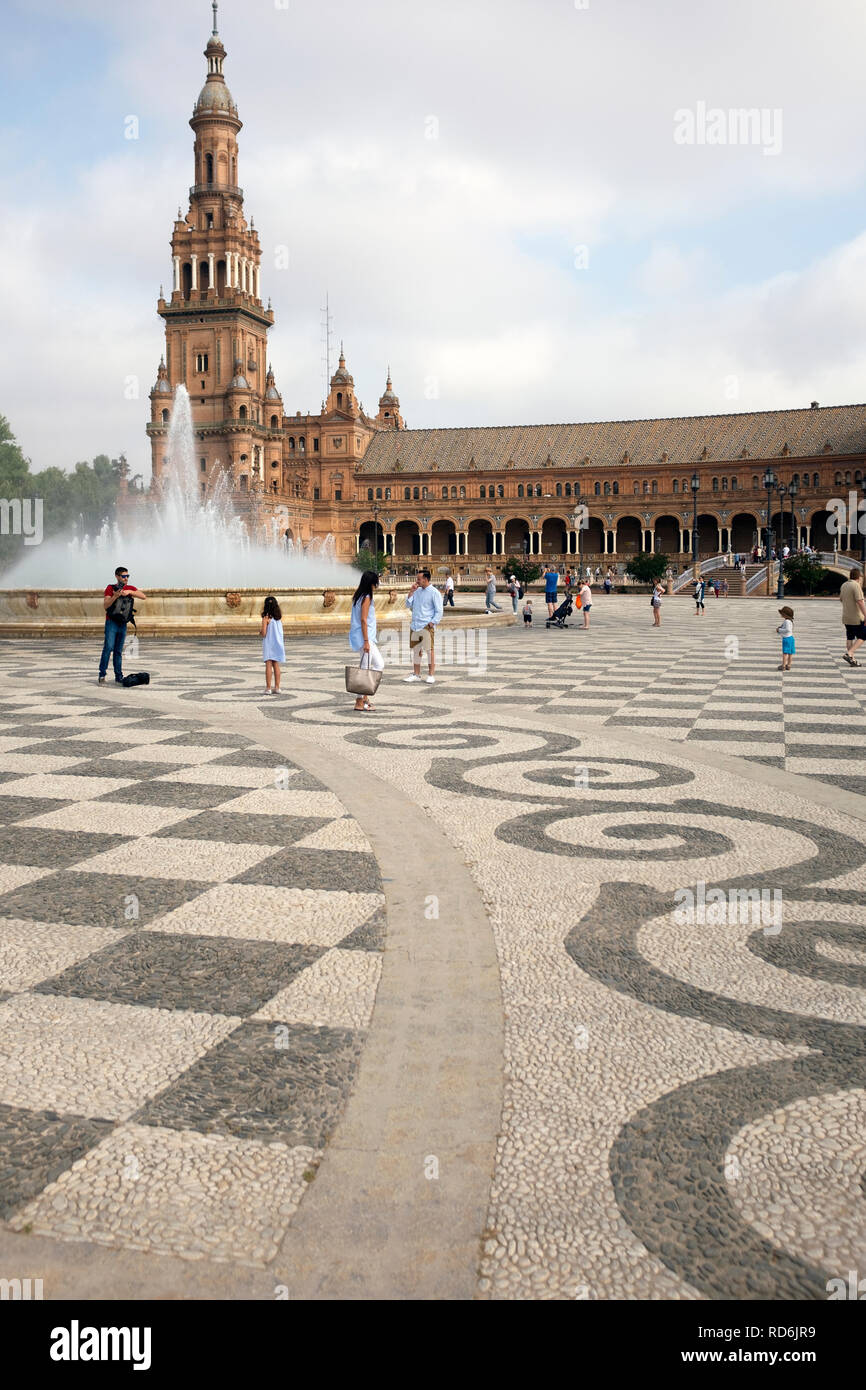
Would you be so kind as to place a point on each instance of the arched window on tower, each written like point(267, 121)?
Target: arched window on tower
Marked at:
point(597, 489)
point(715, 484)
point(208, 168)
point(568, 489)
point(165, 417)
point(559, 489)
point(616, 489)
point(454, 492)
point(655, 485)
point(407, 494)
point(500, 490)
point(483, 493)
point(274, 422)
point(816, 480)
point(607, 489)
point(378, 494)
point(538, 489)
point(724, 485)
point(676, 485)
point(242, 413)
point(187, 280)
point(519, 489)
point(291, 443)
point(424, 494)
point(415, 494)
point(462, 491)
point(733, 485)
point(339, 399)
point(369, 494)
point(636, 487)
point(646, 485)
point(302, 445)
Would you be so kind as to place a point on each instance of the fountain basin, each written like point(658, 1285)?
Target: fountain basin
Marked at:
point(32, 613)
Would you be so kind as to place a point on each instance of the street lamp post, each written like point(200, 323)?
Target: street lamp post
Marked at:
point(769, 484)
point(793, 489)
point(783, 492)
point(696, 483)
point(376, 510)
point(577, 517)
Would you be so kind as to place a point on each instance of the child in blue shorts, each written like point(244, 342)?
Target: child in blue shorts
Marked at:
point(786, 632)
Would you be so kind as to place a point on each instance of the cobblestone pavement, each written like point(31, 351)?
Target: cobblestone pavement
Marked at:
point(683, 1092)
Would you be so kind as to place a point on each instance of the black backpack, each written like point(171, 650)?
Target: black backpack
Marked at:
point(122, 610)
point(140, 678)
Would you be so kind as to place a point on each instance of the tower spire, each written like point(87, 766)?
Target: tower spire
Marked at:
point(214, 7)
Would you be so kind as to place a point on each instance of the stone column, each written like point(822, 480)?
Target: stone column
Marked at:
point(176, 260)
point(194, 260)
point(257, 274)
point(211, 275)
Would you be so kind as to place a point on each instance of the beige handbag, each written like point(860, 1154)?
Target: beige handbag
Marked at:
point(360, 680)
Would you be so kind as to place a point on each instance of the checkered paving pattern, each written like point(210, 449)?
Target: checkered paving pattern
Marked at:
point(190, 947)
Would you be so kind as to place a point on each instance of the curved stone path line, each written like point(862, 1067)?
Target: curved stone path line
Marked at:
point(428, 1095)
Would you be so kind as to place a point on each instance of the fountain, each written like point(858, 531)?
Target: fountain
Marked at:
point(202, 570)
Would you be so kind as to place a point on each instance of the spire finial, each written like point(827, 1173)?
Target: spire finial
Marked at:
point(214, 8)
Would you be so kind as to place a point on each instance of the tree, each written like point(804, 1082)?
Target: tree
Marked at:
point(367, 560)
point(523, 569)
point(803, 574)
point(646, 568)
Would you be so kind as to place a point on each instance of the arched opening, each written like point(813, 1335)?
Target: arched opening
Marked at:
point(407, 539)
point(221, 278)
point(242, 482)
point(186, 276)
point(629, 536)
point(520, 490)
point(516, 536)
point(302, 445)
point(553, 536)
point(274, 422)
point(667, 535)
point(744, 533)
point(708, 536)
point(339, 399)
point(823, 531)
point(242, 413)
point(165, 417)
point(443, 539)
point(591, 537)
point(291, 443)
point(208, 168)
point(372, 536)
point(480, 538)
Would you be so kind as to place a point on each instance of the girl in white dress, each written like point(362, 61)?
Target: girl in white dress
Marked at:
point(273, 645)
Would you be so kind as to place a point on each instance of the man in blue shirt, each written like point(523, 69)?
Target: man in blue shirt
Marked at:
point(425, 601)
point(551, 579)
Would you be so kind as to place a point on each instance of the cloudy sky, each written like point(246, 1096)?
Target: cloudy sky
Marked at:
point(496, 197)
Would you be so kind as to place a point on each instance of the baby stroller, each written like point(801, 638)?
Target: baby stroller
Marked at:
point(564, 611)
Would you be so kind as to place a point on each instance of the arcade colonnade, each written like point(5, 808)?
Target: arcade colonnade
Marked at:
point(602, 535)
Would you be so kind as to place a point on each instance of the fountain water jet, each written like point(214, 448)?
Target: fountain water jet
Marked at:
point(184, 540)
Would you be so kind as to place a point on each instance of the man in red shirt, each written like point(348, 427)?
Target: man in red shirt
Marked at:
point(117, 602)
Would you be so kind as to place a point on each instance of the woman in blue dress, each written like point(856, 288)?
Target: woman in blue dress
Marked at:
point(362, 631)
point(273, 646)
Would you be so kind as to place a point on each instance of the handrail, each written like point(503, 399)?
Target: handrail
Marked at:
point(707, 566)
point(757, 579)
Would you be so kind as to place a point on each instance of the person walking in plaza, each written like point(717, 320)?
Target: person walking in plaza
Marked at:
point(273, 645)
point(514, 591)
point(585, 600)
point(362, 631)
point(527, 614)
point(490, 604)
point(426, 606)
point(551, 580)
point(786, 632)
point(656, 604)
point(700, 594)
point(449, 590)
point(118, 600)
point(853, 615)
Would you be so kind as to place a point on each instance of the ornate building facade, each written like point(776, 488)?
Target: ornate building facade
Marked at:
point(608, 489)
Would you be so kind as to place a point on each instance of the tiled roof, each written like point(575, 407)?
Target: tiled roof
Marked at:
point(684, 439)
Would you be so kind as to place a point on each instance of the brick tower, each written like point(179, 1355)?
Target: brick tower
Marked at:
point(216, 329)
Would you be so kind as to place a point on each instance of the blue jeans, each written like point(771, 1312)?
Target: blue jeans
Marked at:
point(115, 636)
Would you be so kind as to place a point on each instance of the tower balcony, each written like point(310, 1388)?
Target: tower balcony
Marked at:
point(230, 189)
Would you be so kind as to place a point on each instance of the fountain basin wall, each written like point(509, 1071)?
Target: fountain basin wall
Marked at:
point(190, 612)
